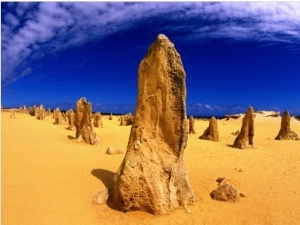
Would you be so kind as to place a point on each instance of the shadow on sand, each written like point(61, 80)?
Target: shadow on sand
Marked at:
point(105, 176)
point(71, 137)
point(107, 179)
point(231, 146)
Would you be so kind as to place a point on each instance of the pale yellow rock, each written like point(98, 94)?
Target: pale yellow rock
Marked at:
point(152, 176)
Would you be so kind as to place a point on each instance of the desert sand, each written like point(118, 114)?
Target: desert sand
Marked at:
point(50, 178)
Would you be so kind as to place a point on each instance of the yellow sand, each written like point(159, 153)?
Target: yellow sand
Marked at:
point(49, 178)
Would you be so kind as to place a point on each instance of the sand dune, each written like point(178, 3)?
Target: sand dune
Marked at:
point(50, 178)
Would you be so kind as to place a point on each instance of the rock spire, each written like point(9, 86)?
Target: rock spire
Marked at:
point(245, 137)
point(152, 176)
point(285, 132)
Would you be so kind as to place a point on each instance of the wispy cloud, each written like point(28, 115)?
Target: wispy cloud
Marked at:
point(32, 30)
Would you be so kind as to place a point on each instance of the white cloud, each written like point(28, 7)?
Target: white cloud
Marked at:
point(29, 29)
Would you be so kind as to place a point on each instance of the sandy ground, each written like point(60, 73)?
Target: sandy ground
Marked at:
point(49, 178)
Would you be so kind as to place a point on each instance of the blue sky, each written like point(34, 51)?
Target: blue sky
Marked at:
point(235, 54)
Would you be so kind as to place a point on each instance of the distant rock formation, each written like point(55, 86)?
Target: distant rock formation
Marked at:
point(234, 116)
point(126, 120)
point(226, 192)
point(34, 107)
point(285, 132)
point(83, 122)
point(110, 116)
point(260, 113)
point(58, 117)
point(31, 111)
point(267, 113)
point(245, 137)
point(122, 120)
point(98, 120)
point(23, 109)
point(71, 119)
point(212, 132)
point(13, 113)
point(37, 112)
point(192, 129)
point(40, 112)
point(152, 176)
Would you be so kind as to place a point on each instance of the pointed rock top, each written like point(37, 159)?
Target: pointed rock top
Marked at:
point(162, 36)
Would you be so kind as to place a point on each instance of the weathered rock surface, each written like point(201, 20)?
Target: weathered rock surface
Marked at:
point(226, 192)
point(152, 176)
point(58, 117)
point(98, 120)
point(192, 129)
point(212, 132)
point(102, 196)
point(71, 119)
point(126, 120)
point(245, 137)
point(40, 112)
point(111, 151)
point(83, 122)
point(285, 132)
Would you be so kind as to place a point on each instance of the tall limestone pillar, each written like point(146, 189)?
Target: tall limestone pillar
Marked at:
point(152, 176)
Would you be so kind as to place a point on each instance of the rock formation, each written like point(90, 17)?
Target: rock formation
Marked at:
point(71, 119)
point(152, 176)
point(37, 112)
point(83, 122)
point(48, 112)
point(13, 113)
point(126, 120)
point(23, 109)
point(102, 196)
point(285, 132)
point(267, 113)
point(245, 137)
point(212, 132)
point(110, 116)
point(226, 192)
point(234, 116)
point(58, 118)
point(192, 129)
point(30, 111)
point(98, 120)
point(111, 151)
point(40, 112)
point(122, 121)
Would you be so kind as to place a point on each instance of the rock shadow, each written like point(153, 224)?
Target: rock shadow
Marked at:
point(71, 137)
point(106, 177)
point(231, 146)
